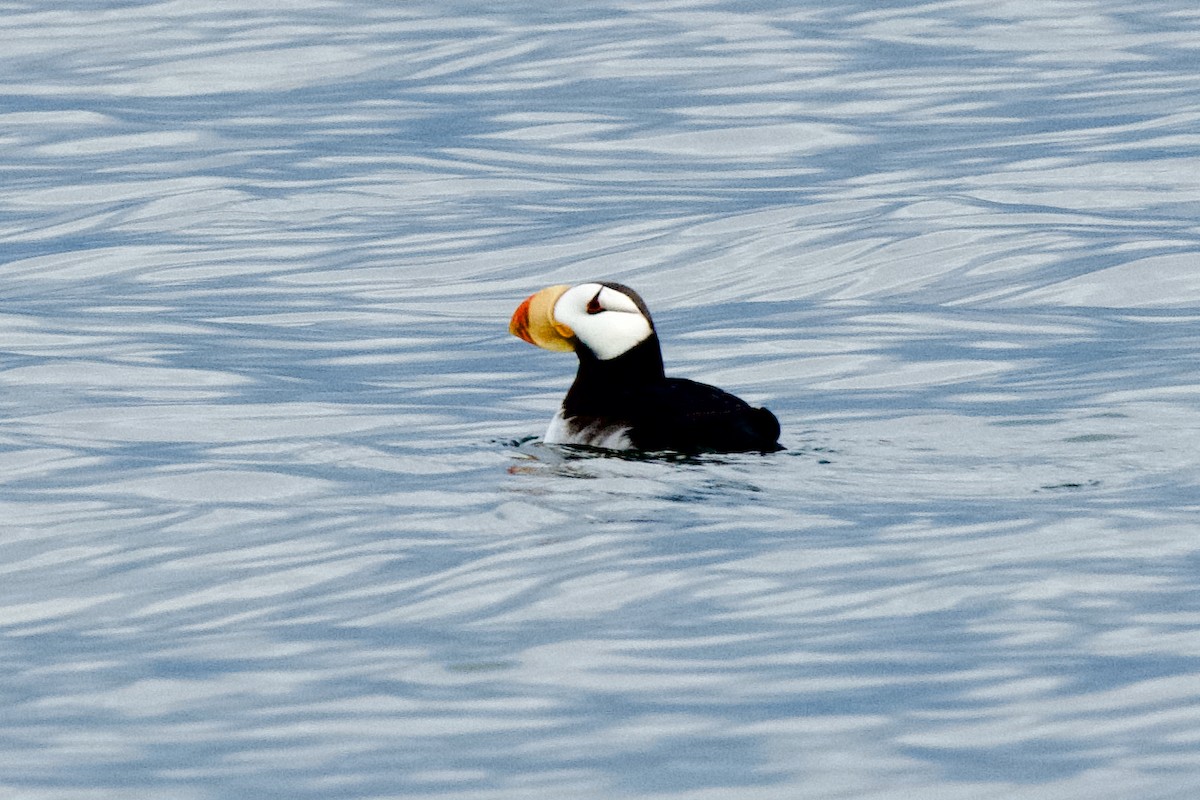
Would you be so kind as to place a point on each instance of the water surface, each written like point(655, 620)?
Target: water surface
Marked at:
point(276, 522)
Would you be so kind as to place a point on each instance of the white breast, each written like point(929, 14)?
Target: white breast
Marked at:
point(592, 433)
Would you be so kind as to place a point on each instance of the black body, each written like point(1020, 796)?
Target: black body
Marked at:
point(664, 413)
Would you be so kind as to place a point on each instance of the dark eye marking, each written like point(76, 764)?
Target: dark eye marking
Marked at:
point(593, 306)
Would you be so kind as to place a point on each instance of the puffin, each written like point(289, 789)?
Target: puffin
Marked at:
point(621, 398)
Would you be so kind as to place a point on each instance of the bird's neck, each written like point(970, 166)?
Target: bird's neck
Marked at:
point(597, 379)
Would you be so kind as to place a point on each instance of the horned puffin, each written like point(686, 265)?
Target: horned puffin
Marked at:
point(621, 398)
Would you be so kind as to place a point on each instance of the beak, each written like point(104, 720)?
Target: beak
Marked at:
point(534, 321)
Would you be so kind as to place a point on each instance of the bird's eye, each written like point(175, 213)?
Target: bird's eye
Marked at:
point(593, 306)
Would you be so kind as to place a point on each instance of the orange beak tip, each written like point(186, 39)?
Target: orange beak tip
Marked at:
point(519, 325)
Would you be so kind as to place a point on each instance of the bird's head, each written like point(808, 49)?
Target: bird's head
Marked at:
point(607, 319)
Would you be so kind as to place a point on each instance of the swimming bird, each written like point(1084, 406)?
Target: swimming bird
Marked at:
point(621, 398)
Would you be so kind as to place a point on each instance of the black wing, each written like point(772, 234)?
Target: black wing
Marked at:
point(690, 417)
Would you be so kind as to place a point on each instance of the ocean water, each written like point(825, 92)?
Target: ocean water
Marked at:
point(274, 517)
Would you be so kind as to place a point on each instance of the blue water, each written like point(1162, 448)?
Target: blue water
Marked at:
point(275, 520)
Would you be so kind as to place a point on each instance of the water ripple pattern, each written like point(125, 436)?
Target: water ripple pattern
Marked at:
point(274, 519)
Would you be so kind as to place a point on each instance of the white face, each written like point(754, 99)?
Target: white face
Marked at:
point(608, 322)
